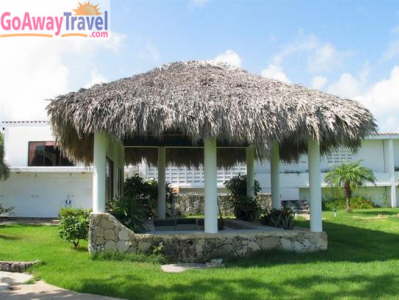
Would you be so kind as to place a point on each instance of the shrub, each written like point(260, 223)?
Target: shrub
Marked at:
point(4, 169)
point(281, 218)
point(349, 176)
point(138, 202)
point(74, 225)
point(356, 203)
point(244, 207)
point(237, 186)
point(130, 211)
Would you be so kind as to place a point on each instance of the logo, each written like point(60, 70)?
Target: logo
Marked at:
point(86, 20)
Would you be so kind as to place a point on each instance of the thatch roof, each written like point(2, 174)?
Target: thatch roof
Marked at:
point(226, 157)
point(188, 101)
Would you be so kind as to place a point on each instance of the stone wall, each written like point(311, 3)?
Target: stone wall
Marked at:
point(16, 266)
point(108, 234)
point(193, 203)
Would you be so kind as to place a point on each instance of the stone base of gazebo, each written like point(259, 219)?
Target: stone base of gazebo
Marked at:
point(108, 234)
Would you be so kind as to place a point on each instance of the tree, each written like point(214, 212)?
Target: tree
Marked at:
point(349, 176)
point(4, 173)
point(4, 170)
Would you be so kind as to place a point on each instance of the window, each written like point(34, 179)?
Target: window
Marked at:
point(339, 156)
point(46, 154)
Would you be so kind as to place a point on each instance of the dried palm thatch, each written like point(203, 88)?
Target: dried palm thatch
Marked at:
point(189, 101)
point(189, 157)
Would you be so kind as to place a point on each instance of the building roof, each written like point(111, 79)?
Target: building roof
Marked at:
point(23, 123)
point(195, 100)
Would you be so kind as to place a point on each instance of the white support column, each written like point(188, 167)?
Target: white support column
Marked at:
point(275, 175)
point(210, 178)
point(99, 165)
point(391, 170)
point(161, 183)
point(315, 186)
point(250, 156)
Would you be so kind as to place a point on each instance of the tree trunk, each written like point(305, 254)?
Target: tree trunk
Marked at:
point(348, 195)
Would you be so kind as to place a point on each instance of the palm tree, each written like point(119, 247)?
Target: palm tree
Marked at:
point(349, 176)
point(4, 170)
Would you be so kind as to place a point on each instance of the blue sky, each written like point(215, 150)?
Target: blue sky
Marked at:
point(258, 30)
point(349, 48)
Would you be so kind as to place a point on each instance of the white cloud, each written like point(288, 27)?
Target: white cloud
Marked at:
point(96, 78)
point(275, 72)
point(229, 58)
point(383, 100)
point(381, 97)
point(346, 86)
point(35, 69)
point(319, 56)
point(302, 44)
point(324, 58)
point(318, 82)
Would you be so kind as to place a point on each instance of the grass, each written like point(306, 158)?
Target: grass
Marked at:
point(362, 263)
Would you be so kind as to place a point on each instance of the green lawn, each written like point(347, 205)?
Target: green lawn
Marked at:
point(362, 263)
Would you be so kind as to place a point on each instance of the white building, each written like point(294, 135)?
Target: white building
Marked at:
point(42, 181)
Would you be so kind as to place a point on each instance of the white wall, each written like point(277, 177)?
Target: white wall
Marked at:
point(16, 141)
point(44, 194)
point(371, 154)
point(40, 191)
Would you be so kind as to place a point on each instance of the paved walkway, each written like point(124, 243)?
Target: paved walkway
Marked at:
point(13, 287)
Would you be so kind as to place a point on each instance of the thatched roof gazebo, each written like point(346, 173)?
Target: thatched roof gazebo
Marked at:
point(191, 113)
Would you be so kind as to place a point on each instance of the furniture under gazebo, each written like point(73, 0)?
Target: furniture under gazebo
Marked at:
point(193, 113)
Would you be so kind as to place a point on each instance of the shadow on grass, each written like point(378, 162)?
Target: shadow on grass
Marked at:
point(9, 237)
point(376, 212)
point(309, 287)
point(345, 243)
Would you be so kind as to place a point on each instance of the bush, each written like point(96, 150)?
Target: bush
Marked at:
point(237, 186)
point(138, 202)
point(356, 203)
point(244, 207)
point(74, 225)
point(281, 218)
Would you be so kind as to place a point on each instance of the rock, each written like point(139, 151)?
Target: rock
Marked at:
point(110, 245)
point(16, 266)
point(122, 246)
point(286, 244)
point(196, 247)
point(124, 235)
point(109, 235)
point(107, 224)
